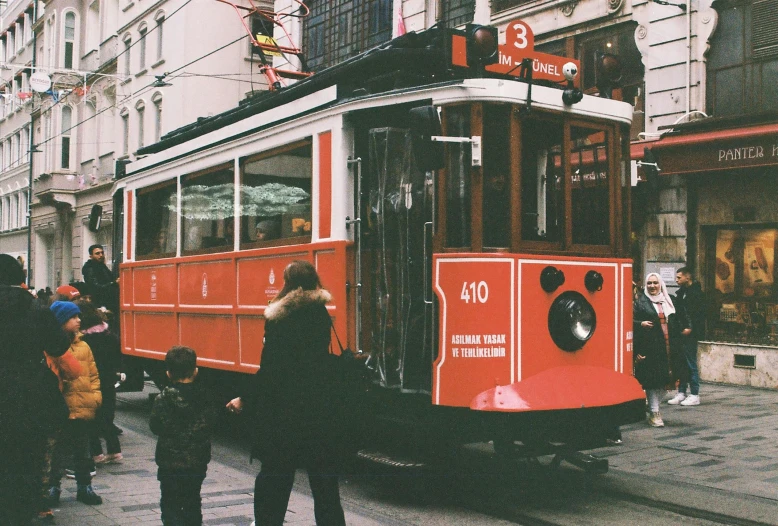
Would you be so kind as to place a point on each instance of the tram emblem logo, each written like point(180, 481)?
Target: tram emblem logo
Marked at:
point(153, 286)
point(272, 277)
point(205, 285)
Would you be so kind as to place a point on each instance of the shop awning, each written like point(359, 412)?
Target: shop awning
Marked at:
point(713, 150)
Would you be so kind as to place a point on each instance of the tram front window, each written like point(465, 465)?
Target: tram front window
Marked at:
point(590, 186)
point(496, 206)
point(458, 181)
point(542, 198)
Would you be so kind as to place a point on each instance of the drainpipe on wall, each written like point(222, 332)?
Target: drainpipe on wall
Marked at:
point(30, 154)
point(688, 57)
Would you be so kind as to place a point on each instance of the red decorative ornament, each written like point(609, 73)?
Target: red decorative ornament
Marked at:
point(81, 90)
point(24, 95)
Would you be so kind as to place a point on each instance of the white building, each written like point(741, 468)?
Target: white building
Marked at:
point(123, 74)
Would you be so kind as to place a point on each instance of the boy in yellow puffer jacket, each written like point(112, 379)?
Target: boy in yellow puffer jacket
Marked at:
point(83, 397)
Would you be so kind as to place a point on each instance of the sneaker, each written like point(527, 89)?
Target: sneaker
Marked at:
point(614, 441)
point(691, 400)
point(53, 496)
point(656, 420)
point(677, 399)
point(114, 458)
point(71, 474)
point(87, 495)
point(100, 459)
point(45, 516)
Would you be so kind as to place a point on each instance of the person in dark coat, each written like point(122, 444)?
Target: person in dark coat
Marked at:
point(184, 417)
point(293, 401)
point(692, 299)
point(102, 286)
point(108, 358)
point(31, 404)
point(659, 357)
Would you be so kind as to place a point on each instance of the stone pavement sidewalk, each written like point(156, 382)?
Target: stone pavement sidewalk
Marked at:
point(728, 443)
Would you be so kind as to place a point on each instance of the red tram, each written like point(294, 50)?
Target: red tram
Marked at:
point(482, 265)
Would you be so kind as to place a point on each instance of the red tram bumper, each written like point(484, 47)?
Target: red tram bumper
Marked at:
point(562, 388)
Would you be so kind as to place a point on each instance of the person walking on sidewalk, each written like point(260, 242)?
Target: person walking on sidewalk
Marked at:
point(657, 332)
point(293, 402)
point(692, 299)
point(183, 417)
point(83, 398)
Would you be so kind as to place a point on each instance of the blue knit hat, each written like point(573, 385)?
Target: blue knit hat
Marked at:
point(64, 310)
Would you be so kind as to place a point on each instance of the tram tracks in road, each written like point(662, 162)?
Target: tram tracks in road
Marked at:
point(520, 493)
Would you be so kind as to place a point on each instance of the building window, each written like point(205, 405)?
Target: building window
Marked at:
point(70, 38)
point(141, 109)
point(25, 210)
point(333, 33)
point(160, 21)
point(67, 123)
point(127, 63)
point(142, 47)
point(259, 26)
point(743, 59)
point(125, 114)
point(457, 12)
point(157, 100)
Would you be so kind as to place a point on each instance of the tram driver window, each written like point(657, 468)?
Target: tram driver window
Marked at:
point(496, 206)
point(207, 216)
point(589, 163)
point(542, 198)
point(156, 213)
point(275, 196)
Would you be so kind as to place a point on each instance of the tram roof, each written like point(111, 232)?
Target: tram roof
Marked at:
point(404, 64)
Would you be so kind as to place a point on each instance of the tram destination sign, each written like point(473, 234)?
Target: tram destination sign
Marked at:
point(520, 44)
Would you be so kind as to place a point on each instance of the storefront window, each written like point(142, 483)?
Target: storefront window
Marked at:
point(745, 307)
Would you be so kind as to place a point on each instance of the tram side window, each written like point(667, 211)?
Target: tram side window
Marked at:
point(275, 195)
point(207, 215)
point(458, 180)
point(156, 213)
point(589, 163)
point(542, 197)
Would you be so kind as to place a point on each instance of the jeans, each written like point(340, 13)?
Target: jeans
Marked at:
point(180, 503)
point(693, 380)
point(274, 485)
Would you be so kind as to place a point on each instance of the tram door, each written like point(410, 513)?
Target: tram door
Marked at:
point(396, 260)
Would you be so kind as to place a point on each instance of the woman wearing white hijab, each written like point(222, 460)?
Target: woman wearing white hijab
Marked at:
point(657, 352)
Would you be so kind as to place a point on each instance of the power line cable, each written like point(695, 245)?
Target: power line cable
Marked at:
point(140, 91)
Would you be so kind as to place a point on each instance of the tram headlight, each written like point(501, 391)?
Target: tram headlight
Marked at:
point(571, 321)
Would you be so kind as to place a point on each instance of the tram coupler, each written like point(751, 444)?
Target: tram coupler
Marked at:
point(588, 463)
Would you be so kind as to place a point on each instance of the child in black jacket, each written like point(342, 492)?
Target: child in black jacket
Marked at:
point(183, 416)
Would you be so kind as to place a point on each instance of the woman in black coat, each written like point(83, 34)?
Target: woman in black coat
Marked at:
point(291, 402)
point(658, 352)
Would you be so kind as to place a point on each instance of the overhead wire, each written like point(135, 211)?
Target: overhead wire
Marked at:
point(140, 91)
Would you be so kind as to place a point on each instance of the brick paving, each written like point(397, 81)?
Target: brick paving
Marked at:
point(727, 443)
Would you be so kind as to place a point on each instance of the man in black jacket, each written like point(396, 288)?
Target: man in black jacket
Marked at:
point(31, 404)
point(102, 285)
point(691, 298)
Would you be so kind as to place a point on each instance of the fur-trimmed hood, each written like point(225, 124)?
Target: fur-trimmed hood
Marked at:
point(295, 300)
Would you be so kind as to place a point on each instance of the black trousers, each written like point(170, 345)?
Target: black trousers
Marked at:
point(181, 503)
point(73, 440)
point(274, 486)
point(103, 427)
point(19, 476)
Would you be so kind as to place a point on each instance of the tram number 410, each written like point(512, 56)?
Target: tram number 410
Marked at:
point(474, 292)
